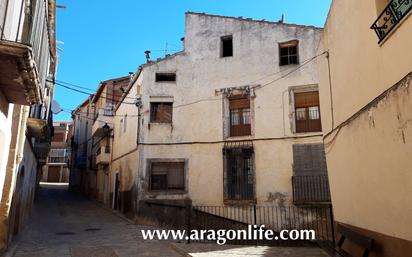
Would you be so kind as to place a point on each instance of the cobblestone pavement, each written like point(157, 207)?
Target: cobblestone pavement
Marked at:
point(64, 224)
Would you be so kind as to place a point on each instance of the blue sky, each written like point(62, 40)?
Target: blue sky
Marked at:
point(107, 39)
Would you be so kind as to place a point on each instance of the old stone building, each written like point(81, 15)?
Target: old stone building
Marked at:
point(27, 68)
point(56, 168)
point(366, 108)
point(232, 119)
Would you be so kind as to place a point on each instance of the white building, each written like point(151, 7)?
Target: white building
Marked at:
point(233, 117)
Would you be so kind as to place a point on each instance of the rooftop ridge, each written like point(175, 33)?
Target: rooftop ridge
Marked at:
point(240, 18)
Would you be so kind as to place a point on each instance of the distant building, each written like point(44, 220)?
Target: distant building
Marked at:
point(92, 140)
point(81, 144)
point(56, 168)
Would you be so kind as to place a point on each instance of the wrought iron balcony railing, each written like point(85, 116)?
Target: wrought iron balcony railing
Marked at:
point(310, 189)
point(391, 16)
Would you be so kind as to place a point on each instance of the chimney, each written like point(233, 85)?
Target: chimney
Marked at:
point(282, 19)
point(147, 53)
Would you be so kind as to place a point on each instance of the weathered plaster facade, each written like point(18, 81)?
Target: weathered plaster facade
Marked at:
point(204, 80)
point(366, 112)
point(125, 158)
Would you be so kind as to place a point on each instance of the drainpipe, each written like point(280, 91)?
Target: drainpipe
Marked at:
point(139, 183)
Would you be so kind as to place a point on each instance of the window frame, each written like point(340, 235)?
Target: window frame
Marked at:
point(238, 152)
point(239, 129)
point(149, 166)
point(314, 123)
point(152, 115)
point(288, 45)
point(165, 74)
point(224, 39)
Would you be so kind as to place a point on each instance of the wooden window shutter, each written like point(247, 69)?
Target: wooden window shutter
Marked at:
point(165, 112)
point(306, 99)
point(239, 103)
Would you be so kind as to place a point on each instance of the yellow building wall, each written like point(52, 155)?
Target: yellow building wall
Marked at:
point(369, 159)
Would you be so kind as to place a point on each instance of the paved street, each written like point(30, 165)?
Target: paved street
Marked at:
point(65, 224)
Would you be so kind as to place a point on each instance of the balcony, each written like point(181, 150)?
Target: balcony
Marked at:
point(40, 122)
point(25, 52)
point(103, 155)
point(103, 117)
point(391, 16)
point(311, 189)
point(42, 149)
point(57, 160)
point(58, 156)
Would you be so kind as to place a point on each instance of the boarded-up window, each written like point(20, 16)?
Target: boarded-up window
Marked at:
point(310, 180)
point(309, 159)
point(307, 112)
point(240, 120)
point(288, 53)
point(161, 112)
point(167, 176)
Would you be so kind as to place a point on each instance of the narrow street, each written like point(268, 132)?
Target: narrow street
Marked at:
point(66, 224)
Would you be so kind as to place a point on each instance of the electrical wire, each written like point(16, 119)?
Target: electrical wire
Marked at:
point(93, 91)
point(214, 99)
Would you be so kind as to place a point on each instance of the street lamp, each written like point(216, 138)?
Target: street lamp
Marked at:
point(106, 129)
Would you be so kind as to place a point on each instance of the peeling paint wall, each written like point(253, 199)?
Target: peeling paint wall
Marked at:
point(200, 74)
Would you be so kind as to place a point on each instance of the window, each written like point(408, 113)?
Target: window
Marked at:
point(167, 176)
point(239, 108)
point(226, 46)
point(288, 53)
point(307, 112)
point(57, 156)
point(165, 77)
point(161, 112)
point(309, 159)
point(239, 174)
point(310, 181)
